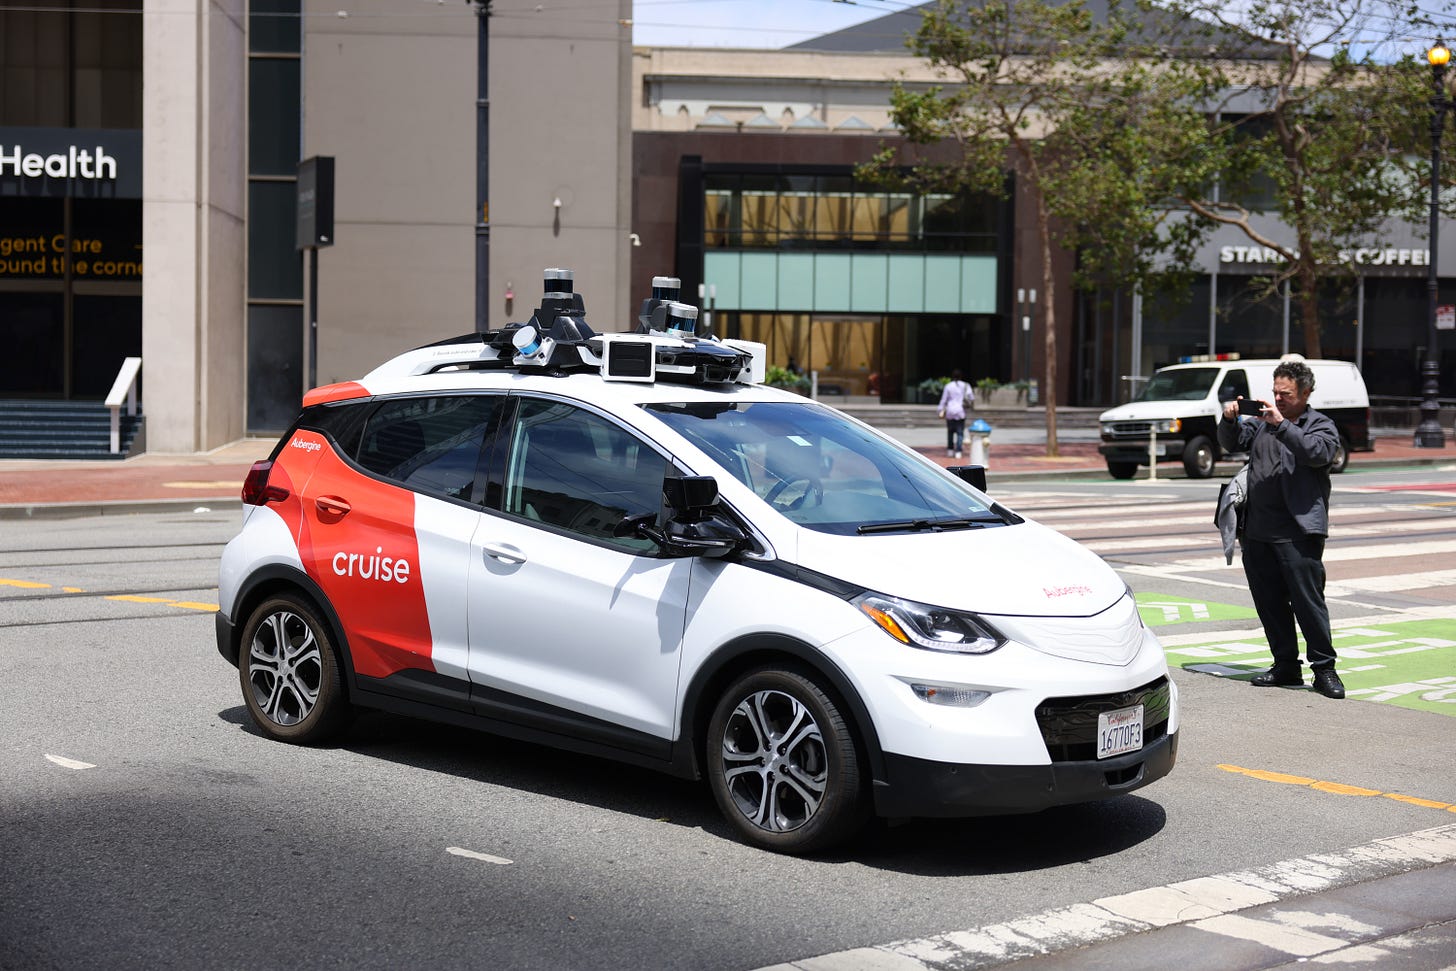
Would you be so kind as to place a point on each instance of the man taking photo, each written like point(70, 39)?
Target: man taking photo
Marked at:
point(1286, 521)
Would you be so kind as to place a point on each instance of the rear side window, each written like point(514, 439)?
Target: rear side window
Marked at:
point(430, 444)
point(574, 470)
point(1235, 385)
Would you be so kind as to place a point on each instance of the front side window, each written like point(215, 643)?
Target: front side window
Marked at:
point(822, 471)
point(430, 444)
point(576, 471)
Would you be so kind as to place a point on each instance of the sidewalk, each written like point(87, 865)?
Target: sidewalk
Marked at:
point(162, 481)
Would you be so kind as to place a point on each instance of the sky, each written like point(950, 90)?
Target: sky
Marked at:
point(748, 23)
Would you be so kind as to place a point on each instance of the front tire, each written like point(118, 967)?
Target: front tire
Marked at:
point(1199, 458)
point(783, 765)
point(1122, 470)
point(290, 674)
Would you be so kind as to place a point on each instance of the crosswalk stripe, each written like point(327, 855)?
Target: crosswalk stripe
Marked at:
point(1207, 903)
point(1405, 552)
point(1392, 583)
point(1281, 937)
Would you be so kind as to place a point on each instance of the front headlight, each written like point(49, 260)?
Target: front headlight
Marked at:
point(1169, 427)
point(932, 628)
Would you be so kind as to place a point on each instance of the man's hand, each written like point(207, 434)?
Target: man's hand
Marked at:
point(1231, 409)
point(1271, 415)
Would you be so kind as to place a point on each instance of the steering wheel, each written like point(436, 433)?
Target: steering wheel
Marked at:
point(809, 485)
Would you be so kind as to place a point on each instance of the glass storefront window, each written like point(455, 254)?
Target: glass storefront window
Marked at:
point(753, 210)
point(75, 65)
point(32, 329)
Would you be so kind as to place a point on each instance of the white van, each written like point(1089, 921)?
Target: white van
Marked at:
point(1177, 413)
point(626, 545)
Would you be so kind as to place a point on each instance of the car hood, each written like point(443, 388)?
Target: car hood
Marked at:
point(1153, 410)
point(1025, 570)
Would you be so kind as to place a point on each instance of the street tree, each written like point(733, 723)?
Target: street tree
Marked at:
point(1094, 135)
point(1310, 120)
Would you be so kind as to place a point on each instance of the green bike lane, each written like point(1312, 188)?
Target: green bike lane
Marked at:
point(1405, 658)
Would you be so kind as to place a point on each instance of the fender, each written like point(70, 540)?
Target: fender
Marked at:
point(230, 631)
point(738, 655)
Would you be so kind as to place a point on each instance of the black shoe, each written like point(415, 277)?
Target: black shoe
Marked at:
point(1277, 678)
point(1328, 683)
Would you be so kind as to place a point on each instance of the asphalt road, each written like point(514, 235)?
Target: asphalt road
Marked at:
point(143, 823)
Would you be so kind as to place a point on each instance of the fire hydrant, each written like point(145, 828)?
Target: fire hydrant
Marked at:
point(980, 435)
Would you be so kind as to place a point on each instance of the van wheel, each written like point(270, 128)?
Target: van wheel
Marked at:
point(1199, 458)
point(291, 680)
point(783, 765)
point(1122, 470)
point(1342, 456)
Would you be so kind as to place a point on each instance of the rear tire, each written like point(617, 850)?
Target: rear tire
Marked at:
point(290, 675)
point(1342, 456)
point(1199, 458)
point(783, 765)
point(1122, 470)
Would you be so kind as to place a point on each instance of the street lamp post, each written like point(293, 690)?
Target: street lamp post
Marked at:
point(1428, 432)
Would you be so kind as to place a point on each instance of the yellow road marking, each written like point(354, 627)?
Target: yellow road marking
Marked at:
point(24, 584)
point(1335, 788)
point(193, 605)
point(121, 597)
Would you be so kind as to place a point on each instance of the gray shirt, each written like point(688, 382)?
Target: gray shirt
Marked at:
point(1289, 474)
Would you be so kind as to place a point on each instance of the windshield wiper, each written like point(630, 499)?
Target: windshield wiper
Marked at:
point(929, 525)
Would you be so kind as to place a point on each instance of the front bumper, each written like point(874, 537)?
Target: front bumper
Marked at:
point(923, 788)
point(1137, 451)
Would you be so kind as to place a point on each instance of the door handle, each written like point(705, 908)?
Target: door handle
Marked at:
point(332, 505)
point(503, 552)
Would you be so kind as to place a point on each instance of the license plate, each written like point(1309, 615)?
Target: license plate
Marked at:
point(1119, 731)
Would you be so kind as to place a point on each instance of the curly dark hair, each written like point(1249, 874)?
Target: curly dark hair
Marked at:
point(1298, 372)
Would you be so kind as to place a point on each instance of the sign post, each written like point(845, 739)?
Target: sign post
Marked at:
point(315, 229)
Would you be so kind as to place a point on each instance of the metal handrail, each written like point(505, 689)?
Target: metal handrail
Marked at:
point(124, 388)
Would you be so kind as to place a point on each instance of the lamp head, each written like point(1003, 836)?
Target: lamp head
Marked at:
point(1439, 55)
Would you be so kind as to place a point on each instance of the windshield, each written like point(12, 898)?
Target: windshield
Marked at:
point(823, 471)
point(1184, 384)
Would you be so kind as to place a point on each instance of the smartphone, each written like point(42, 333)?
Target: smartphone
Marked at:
point(1249, 406)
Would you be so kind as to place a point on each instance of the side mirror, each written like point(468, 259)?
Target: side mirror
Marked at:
point(692, 527)
point(972, 474)
point(711, 535)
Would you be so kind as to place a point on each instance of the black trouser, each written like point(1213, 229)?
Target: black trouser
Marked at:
point(1288, 584)
point(955, 429)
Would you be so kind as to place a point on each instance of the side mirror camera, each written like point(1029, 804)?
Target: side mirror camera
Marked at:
point(973, 474)
point(691, 494)
point(693, 526)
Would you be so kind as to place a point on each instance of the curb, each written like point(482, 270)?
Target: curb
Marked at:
point(115, 507)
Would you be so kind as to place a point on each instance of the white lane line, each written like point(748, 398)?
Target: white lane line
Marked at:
point(1401, 552)
point(1205, 902)
point(66, 763)
point(482, 857)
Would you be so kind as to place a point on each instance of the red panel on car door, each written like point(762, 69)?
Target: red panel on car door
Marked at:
point(358, 543)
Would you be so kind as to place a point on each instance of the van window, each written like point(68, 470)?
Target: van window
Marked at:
point(1235, 385)
point(1184, 384)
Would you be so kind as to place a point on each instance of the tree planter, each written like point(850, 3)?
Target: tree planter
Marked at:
point(1005, 398)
